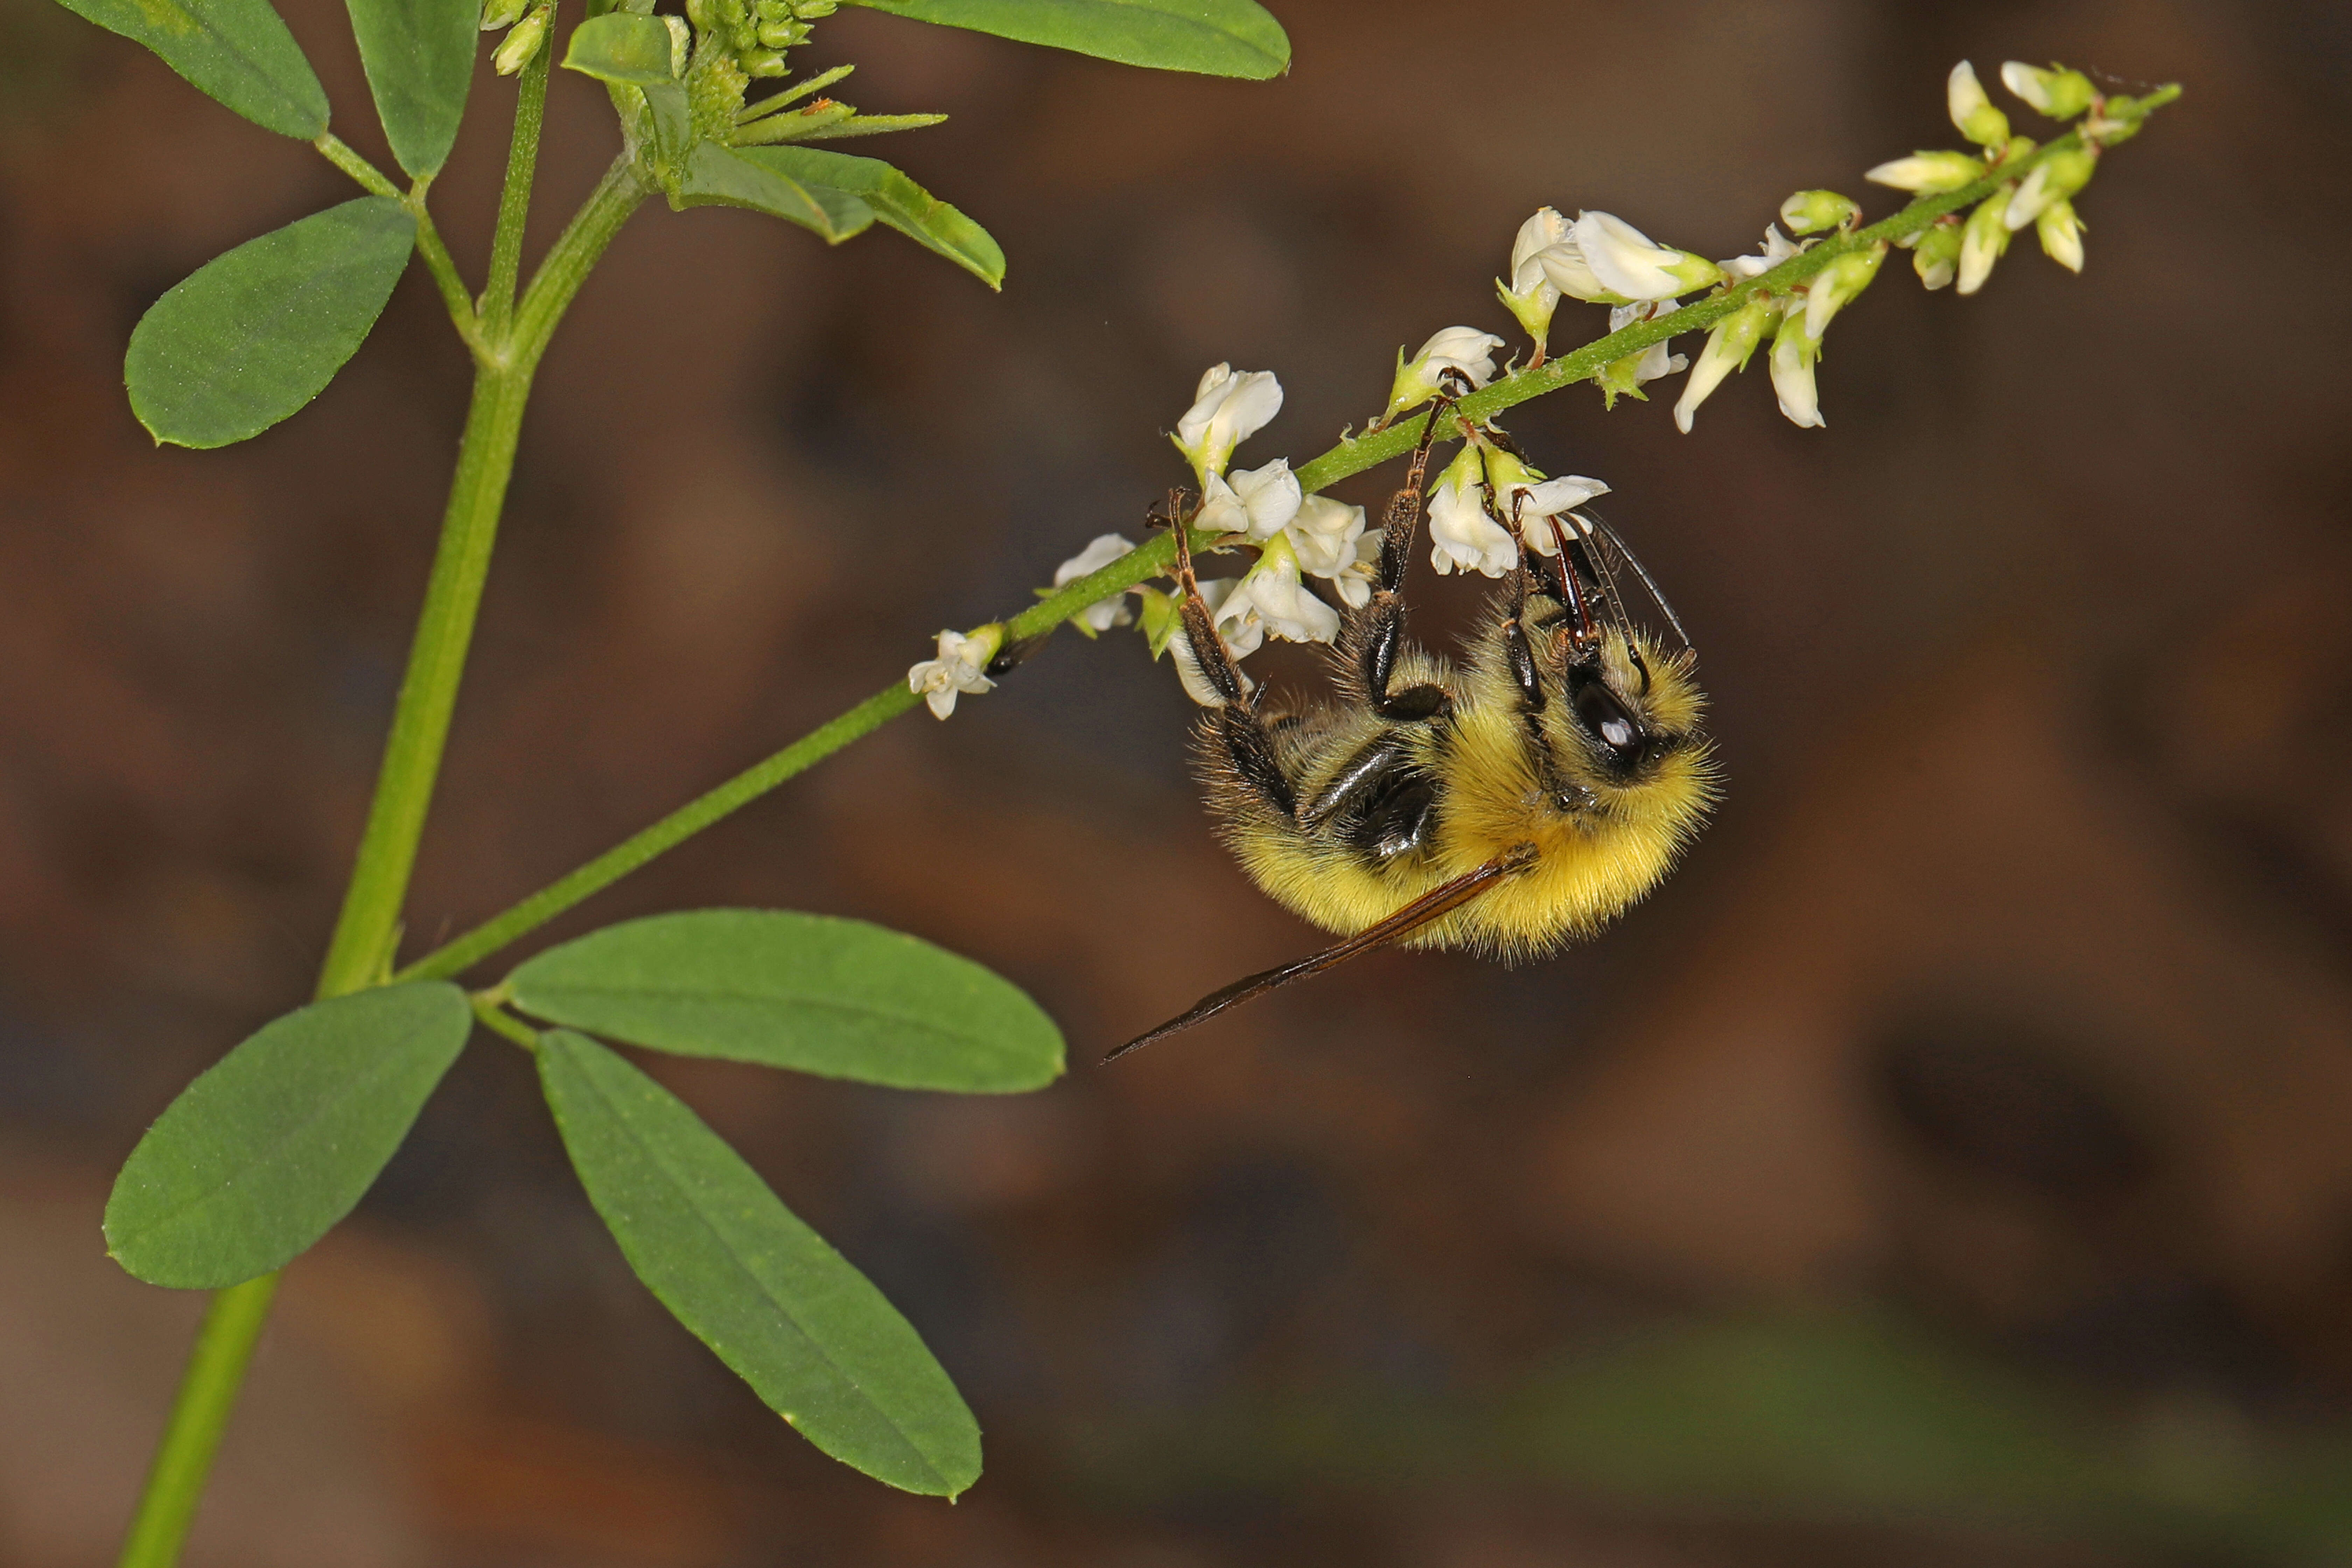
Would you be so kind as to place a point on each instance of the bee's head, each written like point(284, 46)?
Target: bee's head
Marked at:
point(1624, 722)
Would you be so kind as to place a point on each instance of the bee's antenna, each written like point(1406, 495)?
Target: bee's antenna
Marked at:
point(1648, 582)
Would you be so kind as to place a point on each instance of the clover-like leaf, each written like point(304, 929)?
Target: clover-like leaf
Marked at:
point(894, 198)
point(1216, 37)
point(620, 46)
point(251, 336)
point(236, 51)
point(275, 1141)
point(816, 1342)
point(419, 57)
point(818, 995)
point(742, 177)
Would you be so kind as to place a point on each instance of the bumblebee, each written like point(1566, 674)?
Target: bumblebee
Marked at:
point(1507, 803)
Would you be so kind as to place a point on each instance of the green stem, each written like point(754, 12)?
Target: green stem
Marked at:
point(360, 951)
point(1153, 559)
point(208, 1391)
point(437, 259)
point(514, 199)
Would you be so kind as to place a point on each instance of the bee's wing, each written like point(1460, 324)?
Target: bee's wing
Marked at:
point(1433, 905)
point(1609, 551)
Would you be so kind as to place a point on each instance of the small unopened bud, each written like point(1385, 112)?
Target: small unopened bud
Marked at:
point(523, 45)
point(1983, 240)
point(2061, 232)
point(1838, 283)
point(764, 63)
point(1971, 110)
point(1809, 210)
point(2057, 92)
point(1935, 257)
point(1928, 173)
point(1794, 350)
point(1729, 346)
point(501, 14)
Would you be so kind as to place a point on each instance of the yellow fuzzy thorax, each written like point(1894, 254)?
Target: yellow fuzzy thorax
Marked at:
point(1596, 852)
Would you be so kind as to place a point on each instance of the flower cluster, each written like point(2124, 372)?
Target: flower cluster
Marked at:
point(1488, 504)
point(756, 33)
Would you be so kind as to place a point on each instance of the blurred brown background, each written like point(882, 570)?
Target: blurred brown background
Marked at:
point(1949, 1166)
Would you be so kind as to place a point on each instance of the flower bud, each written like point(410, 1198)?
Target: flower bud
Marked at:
point(1794, 351)
point(2061, 232)
point(500, 14)
point(1983, 240)
point(1809, 210)
point(1971, 110)
point(523, 45)
point(2055, 179)
point(1928, 173)
point(1531, 295)
point(1935, 256)
point(2057, 92)
point(1465, 351)
point(1729, 346)
point(1838, 283)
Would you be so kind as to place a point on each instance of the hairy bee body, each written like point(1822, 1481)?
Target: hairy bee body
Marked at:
point(1386, 809)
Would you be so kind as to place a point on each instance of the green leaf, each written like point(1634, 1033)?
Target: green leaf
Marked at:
point(1218, 37)
point(619, 46)
point(419, 56)
point(812, 1335)
point(252, 336)
point(722, 177)
point(262, 1154)
point(838, 998)
point(237, 51)
point(894, 198)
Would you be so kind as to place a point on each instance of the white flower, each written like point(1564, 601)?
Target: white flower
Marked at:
point(2061, 232)
point(1629, 264)
point(1655, 361)
point(1227, 409)
point(1531, 295)
point(1353, 581)
point(958, 668)
point(2057, 92)
point(1983, 240)
point(1460, 532)
point(1522, 496)
point(1778, 247)
point(1324, 536)
point(1728, 348)
point(2055, 179)
point(1836, 284)
point(1257, 503)
point(1928, 173)
point(1273, 598)
point(1103, 614)
point(1971, 110)
point(1793, 354)
point(1466, 350)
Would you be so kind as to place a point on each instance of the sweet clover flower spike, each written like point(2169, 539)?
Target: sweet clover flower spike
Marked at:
point(1103, 614)
point(1794, 350)
point(1531, 296)
point(1928, 174)
point(1971, 110)
point(1460, 533)
point(1227, 409)
point(2057, 92)
point(1730, 345)
point(1257, 503)
point(961, 667)
point(1465, 351)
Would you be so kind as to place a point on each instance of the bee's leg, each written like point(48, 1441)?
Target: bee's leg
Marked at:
point(1233, 726)
point(1377, 631)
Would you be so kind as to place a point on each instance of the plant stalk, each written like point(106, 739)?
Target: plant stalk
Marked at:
point(208, 1392)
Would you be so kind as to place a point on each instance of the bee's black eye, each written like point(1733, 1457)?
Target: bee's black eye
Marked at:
point(1605, 718)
